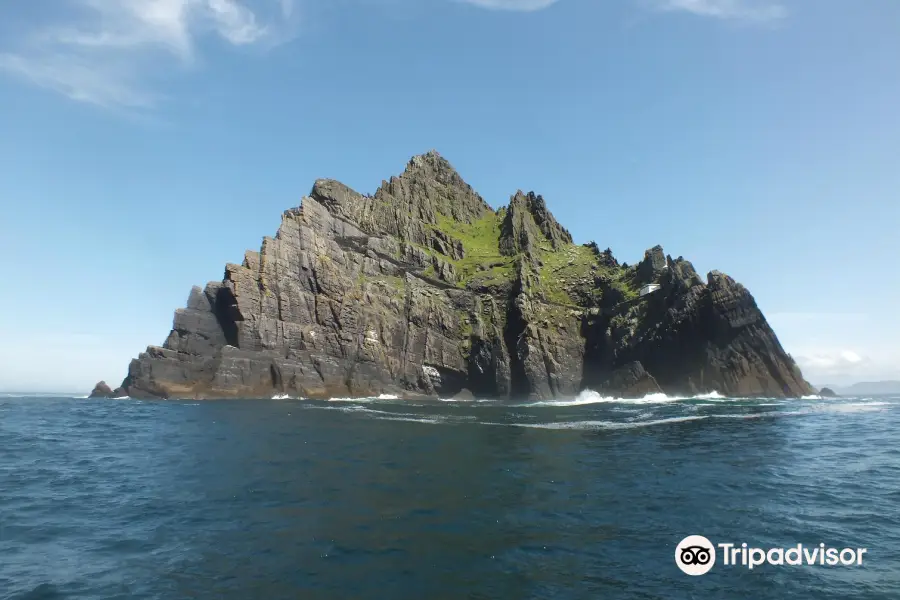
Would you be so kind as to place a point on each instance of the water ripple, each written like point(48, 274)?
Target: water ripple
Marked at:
point(358, 499)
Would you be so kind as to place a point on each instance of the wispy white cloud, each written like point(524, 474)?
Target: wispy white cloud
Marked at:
point(744, 10)
point(840, 347)
point(520, 5)
point(111, 50)
point(838, 365)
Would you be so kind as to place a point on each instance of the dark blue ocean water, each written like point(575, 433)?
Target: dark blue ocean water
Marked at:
point(390, 500)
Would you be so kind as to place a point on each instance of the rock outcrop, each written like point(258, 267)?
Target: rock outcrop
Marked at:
point(102, 390)
point(630, 381)
point(827, 393)
point(423, 289)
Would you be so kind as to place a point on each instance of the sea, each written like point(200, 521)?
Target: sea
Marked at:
point(381, 499)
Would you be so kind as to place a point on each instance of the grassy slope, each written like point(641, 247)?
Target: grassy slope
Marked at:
point(483, 262)
point(566, 276)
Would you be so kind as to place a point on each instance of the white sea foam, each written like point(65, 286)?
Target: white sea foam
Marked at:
point(465, 401)
point(592, 397)
point(760, 415)
point(281, 397)
point(558, 425)
point(587, 425)
point(382, 415)
point(354, 400)
point(812, 397)
point(366, 399)
point(711, 396)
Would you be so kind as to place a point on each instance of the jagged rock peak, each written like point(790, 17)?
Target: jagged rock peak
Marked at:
point(655, 262)
point(526, 222)
point(409, 206)
point(718, 280)
point(435, 166)
point(430, 186)
point(605, 258)
point(338, 198)
point(683, 274)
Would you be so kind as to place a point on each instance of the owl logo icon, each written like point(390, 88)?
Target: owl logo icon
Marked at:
point(695, 555)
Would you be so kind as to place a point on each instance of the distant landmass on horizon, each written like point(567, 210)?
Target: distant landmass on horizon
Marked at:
point(865, 388)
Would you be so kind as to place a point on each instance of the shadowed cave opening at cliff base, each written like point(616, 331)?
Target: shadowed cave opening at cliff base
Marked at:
point(423, 290)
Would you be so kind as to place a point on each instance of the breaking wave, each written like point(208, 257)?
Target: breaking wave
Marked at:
point(592, 397)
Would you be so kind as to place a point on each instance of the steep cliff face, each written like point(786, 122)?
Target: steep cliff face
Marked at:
point(422, 288)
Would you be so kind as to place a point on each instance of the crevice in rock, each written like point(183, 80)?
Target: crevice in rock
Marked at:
point(483, 368)
point(277, 379)
point(597, 356)
point(512, 336)
point(227, 314)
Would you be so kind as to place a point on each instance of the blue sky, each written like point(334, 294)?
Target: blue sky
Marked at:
point(145, 143)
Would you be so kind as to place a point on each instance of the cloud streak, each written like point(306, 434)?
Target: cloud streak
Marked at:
point(837, 365)
point(517, 5)
point(107, 54)
point(742, 10)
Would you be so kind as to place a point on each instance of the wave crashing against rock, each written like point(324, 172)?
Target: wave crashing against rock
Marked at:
point(423, 290)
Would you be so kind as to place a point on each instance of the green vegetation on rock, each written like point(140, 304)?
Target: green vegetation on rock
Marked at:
point(565, 275)
point(565, 272)
point(481, 242)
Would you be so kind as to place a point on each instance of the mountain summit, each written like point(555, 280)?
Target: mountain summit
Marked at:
point(423, 289)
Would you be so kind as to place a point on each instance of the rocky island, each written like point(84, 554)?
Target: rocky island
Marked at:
point(422, 289)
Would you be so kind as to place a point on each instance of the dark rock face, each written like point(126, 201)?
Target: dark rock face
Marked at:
point(654, 264)
point(630, 381)
point(827, 393)
point(422, 289)
point(102, 390)
point(696, 338)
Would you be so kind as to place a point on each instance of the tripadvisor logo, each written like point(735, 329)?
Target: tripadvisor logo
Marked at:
point(696, 555)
